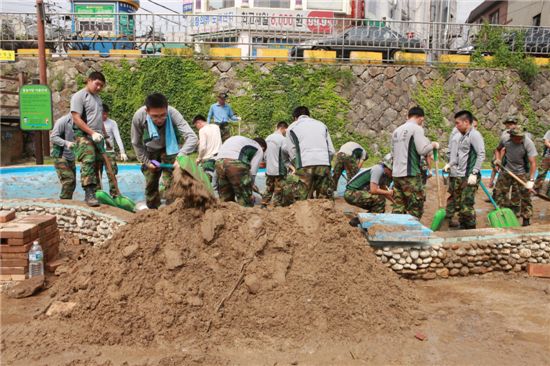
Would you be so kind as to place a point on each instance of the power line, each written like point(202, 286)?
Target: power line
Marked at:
point(162, 6)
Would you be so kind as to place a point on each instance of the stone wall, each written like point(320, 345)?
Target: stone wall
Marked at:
point(379, 95)
point(90, 226)
point(461, 259)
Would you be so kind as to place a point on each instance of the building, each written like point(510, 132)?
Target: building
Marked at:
point(490, 11)
point(529, 12)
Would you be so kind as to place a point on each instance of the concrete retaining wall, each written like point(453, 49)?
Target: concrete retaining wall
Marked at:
point(507, 254)
point(90, 226)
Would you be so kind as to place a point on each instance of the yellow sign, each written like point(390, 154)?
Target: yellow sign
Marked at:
point(7, 55)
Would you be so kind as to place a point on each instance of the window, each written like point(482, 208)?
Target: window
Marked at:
point(325, 5)
point(536, 20)
point(220, 4)
point(493, 18)
point(284, 4)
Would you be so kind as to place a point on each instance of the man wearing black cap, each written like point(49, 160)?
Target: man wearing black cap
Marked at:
point(222, 114)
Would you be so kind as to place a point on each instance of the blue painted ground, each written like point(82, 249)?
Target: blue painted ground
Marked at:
point(41, 182)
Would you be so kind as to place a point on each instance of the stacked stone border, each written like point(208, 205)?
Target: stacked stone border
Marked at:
point(91, 227)
point(463, 256)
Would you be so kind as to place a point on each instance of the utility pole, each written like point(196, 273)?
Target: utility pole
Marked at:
point(41, 141)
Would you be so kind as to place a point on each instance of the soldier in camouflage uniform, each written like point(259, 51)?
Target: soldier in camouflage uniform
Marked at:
point(86, 111)
point(350, 158)
point(368, 189)
point(545, 166)
point(62, 141)
point(466, 156)
point(237, 163)
point(155, 131)
point(408, 146)
point(276, 166)
point(310, 149)
point(517, 154)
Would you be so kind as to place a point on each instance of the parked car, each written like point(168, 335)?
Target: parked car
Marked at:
point(362, 38)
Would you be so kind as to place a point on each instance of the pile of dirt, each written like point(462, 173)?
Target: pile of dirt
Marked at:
point(231, 273)
point(193, 193)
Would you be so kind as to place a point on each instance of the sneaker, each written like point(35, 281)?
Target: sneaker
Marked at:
point(90, 198)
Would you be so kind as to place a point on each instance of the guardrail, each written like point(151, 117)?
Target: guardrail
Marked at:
point(343, 37)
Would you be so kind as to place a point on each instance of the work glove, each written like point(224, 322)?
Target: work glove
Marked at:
point(497, 162)
point(69, 144)
point(123, 157)
point(472, 180)
point(435, 145)
point(530, 185)
point(97, 137)
point(447, 168)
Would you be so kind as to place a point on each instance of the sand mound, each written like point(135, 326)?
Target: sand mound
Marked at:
point(231, 273)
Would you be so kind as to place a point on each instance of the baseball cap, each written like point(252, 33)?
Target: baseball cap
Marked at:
point(511, 119)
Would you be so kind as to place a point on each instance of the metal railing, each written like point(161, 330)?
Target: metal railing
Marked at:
point(149, 33)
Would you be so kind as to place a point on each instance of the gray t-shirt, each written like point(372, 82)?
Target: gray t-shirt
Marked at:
point(275, 157)
point(62, 133)
point(516, 155)
point(408, 146)
point(467, 153)
point(90, 108)
point(546, 150)
point(353, 149)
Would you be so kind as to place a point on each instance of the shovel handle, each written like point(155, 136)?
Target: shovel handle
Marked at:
point(437, 177)
point(488, 194)
point(110, 172)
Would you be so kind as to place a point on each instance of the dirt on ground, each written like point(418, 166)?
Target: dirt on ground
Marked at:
point(278, 286)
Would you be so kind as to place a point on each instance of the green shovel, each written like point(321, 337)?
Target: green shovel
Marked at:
point(440, 213)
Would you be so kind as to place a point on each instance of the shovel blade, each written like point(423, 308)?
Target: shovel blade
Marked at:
point(438, 219)
point(188, 165)
point(105, 198)
point(125, 203)
point(503, 217)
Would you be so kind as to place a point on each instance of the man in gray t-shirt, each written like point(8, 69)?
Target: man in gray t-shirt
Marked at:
point(86, 111)
point(517, 155)
point(62, 141)
point(545, 166)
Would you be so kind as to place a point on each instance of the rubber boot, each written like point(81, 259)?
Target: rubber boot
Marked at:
point(526, 222)
point(89, 197)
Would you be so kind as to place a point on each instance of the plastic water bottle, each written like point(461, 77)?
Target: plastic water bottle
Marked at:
point(36, 260)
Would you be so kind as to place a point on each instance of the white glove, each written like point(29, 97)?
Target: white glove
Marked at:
point(69, 144)
point(97, 137)
point(435, 145)
point(239, 118)
point(123, 157)
point(446, 168)
point(530, 185)
point(472, 180)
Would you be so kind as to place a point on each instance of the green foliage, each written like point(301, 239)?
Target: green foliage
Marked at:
point(491, 140)
point(492, 40)
point(531, 123)
point(187, 85)
point(445, 69)
point(271, 98)
point(433, 99)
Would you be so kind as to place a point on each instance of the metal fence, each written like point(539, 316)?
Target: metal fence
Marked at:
point(150, 33)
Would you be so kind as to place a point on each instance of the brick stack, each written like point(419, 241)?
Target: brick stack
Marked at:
point(16, 238)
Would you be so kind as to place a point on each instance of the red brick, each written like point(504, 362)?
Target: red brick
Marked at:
point(538, 270)
point(14, 255)
point(6, 216)
point(14, 262)
point(14, 277)
point(51, 266)
point(420, 336)
point(13, 230)
point(14, 270)
point(15, 248)
point(41, 220)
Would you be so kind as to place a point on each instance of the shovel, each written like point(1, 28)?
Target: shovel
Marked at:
point(190, 167)
point(440, 213)
point(119, 201)
point(520, 181)
point(500, 217)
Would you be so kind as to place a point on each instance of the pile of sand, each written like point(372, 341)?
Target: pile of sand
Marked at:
point(230, 273)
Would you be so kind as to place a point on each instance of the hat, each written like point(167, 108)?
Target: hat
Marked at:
point(511, 119)
point(517, 132)
point(222, 95)
point(388, 161)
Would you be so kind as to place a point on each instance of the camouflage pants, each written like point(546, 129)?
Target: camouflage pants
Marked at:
point(343, 162)
point(409, 196)
point(152, 178)
point(66, 172)
point(313, 182)
point(234, 182)
point(373, 203)
point(462, 200)
point(209, 167)
point(274, 187)
point(89, 158)
point(543, 170)
point(520, 203)
point(225, 131)
point(112, 158)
